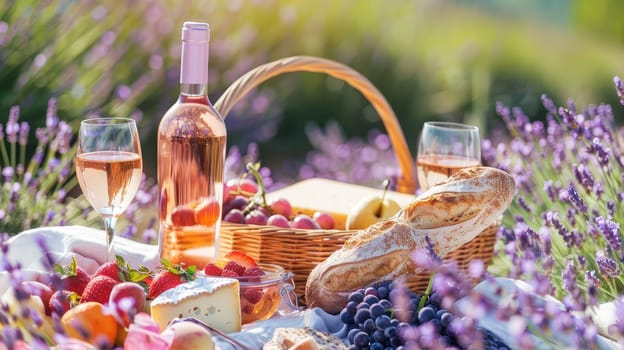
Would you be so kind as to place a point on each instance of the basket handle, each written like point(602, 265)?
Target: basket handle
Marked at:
point(253, 78)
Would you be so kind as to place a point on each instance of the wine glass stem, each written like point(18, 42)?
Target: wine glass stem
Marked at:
point(109, 227)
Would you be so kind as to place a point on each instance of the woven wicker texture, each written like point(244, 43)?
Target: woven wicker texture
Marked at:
point(299, 251)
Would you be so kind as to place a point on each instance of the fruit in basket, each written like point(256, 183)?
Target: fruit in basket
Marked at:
point(324, 220)
point(281, 206)
point(235, 216)
point(370, 211)
point(240, 207)
point(241, 186)
point(256, 217)
point(302, 221)
point(90, 322)
point(278, 220)
point(236, 202)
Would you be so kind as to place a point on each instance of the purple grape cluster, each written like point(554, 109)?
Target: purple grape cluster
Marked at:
point(372, 324)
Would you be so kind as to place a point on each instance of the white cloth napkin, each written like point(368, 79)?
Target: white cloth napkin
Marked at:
point(85, 244)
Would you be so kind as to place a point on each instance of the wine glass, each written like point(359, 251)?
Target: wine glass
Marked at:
point(109, 168)
point(445, 148)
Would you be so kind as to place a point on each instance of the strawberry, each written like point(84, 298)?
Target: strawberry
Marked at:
point(120, 271)
point(73, 277)
point(212, 270)
point(145, 283)
point(112, 270)
point(235, 267)
point(240, 258)
point(171, 276)
point(98, 289)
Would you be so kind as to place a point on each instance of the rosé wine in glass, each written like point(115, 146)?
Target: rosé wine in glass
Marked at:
point(109, 168)
point(444, 149)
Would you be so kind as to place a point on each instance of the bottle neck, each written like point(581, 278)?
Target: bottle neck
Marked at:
point(196, 93)
point(194, 89)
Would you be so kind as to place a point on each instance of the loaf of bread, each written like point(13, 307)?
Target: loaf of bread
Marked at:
point(450, 214)
point(303, 339)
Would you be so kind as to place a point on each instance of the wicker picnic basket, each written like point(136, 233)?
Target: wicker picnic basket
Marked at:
point(299, 250)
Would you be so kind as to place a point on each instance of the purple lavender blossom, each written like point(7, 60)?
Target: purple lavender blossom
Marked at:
point(52, 119)
point(577, 200)
point(610, 230)
point(607, 266)
point(523, 204)
point(584, 177)
point(549, 104)
point(601, 153)
point(619, 88)
point(8, 173)
point(12, 127)
point(23, 133)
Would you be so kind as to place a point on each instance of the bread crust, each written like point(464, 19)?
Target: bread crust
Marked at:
point(450, 214)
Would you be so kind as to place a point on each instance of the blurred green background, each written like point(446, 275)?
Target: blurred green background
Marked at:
point(432, 59)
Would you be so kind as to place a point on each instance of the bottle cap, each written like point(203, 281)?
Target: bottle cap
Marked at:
point(195, 50)
point(196, 32)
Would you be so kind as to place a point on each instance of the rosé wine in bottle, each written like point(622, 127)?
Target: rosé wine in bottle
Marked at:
point(191, 153)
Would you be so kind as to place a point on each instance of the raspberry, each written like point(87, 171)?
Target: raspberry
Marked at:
point(252, 274)
point(246, 308)
point(234, 266)
point(252, 295)
point(212, 270)
point(229, 273)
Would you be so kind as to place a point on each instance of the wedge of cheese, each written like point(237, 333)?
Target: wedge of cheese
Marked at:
point(213, 300)
point(333, 197)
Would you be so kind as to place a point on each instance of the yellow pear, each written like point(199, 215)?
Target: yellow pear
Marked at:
point(371, 210)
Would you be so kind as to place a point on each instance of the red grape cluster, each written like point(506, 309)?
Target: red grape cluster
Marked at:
point(244, 203)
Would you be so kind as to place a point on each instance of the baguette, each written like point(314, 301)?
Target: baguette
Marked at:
point(450, 214)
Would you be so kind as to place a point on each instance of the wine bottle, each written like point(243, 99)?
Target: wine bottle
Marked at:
point(191, 153)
